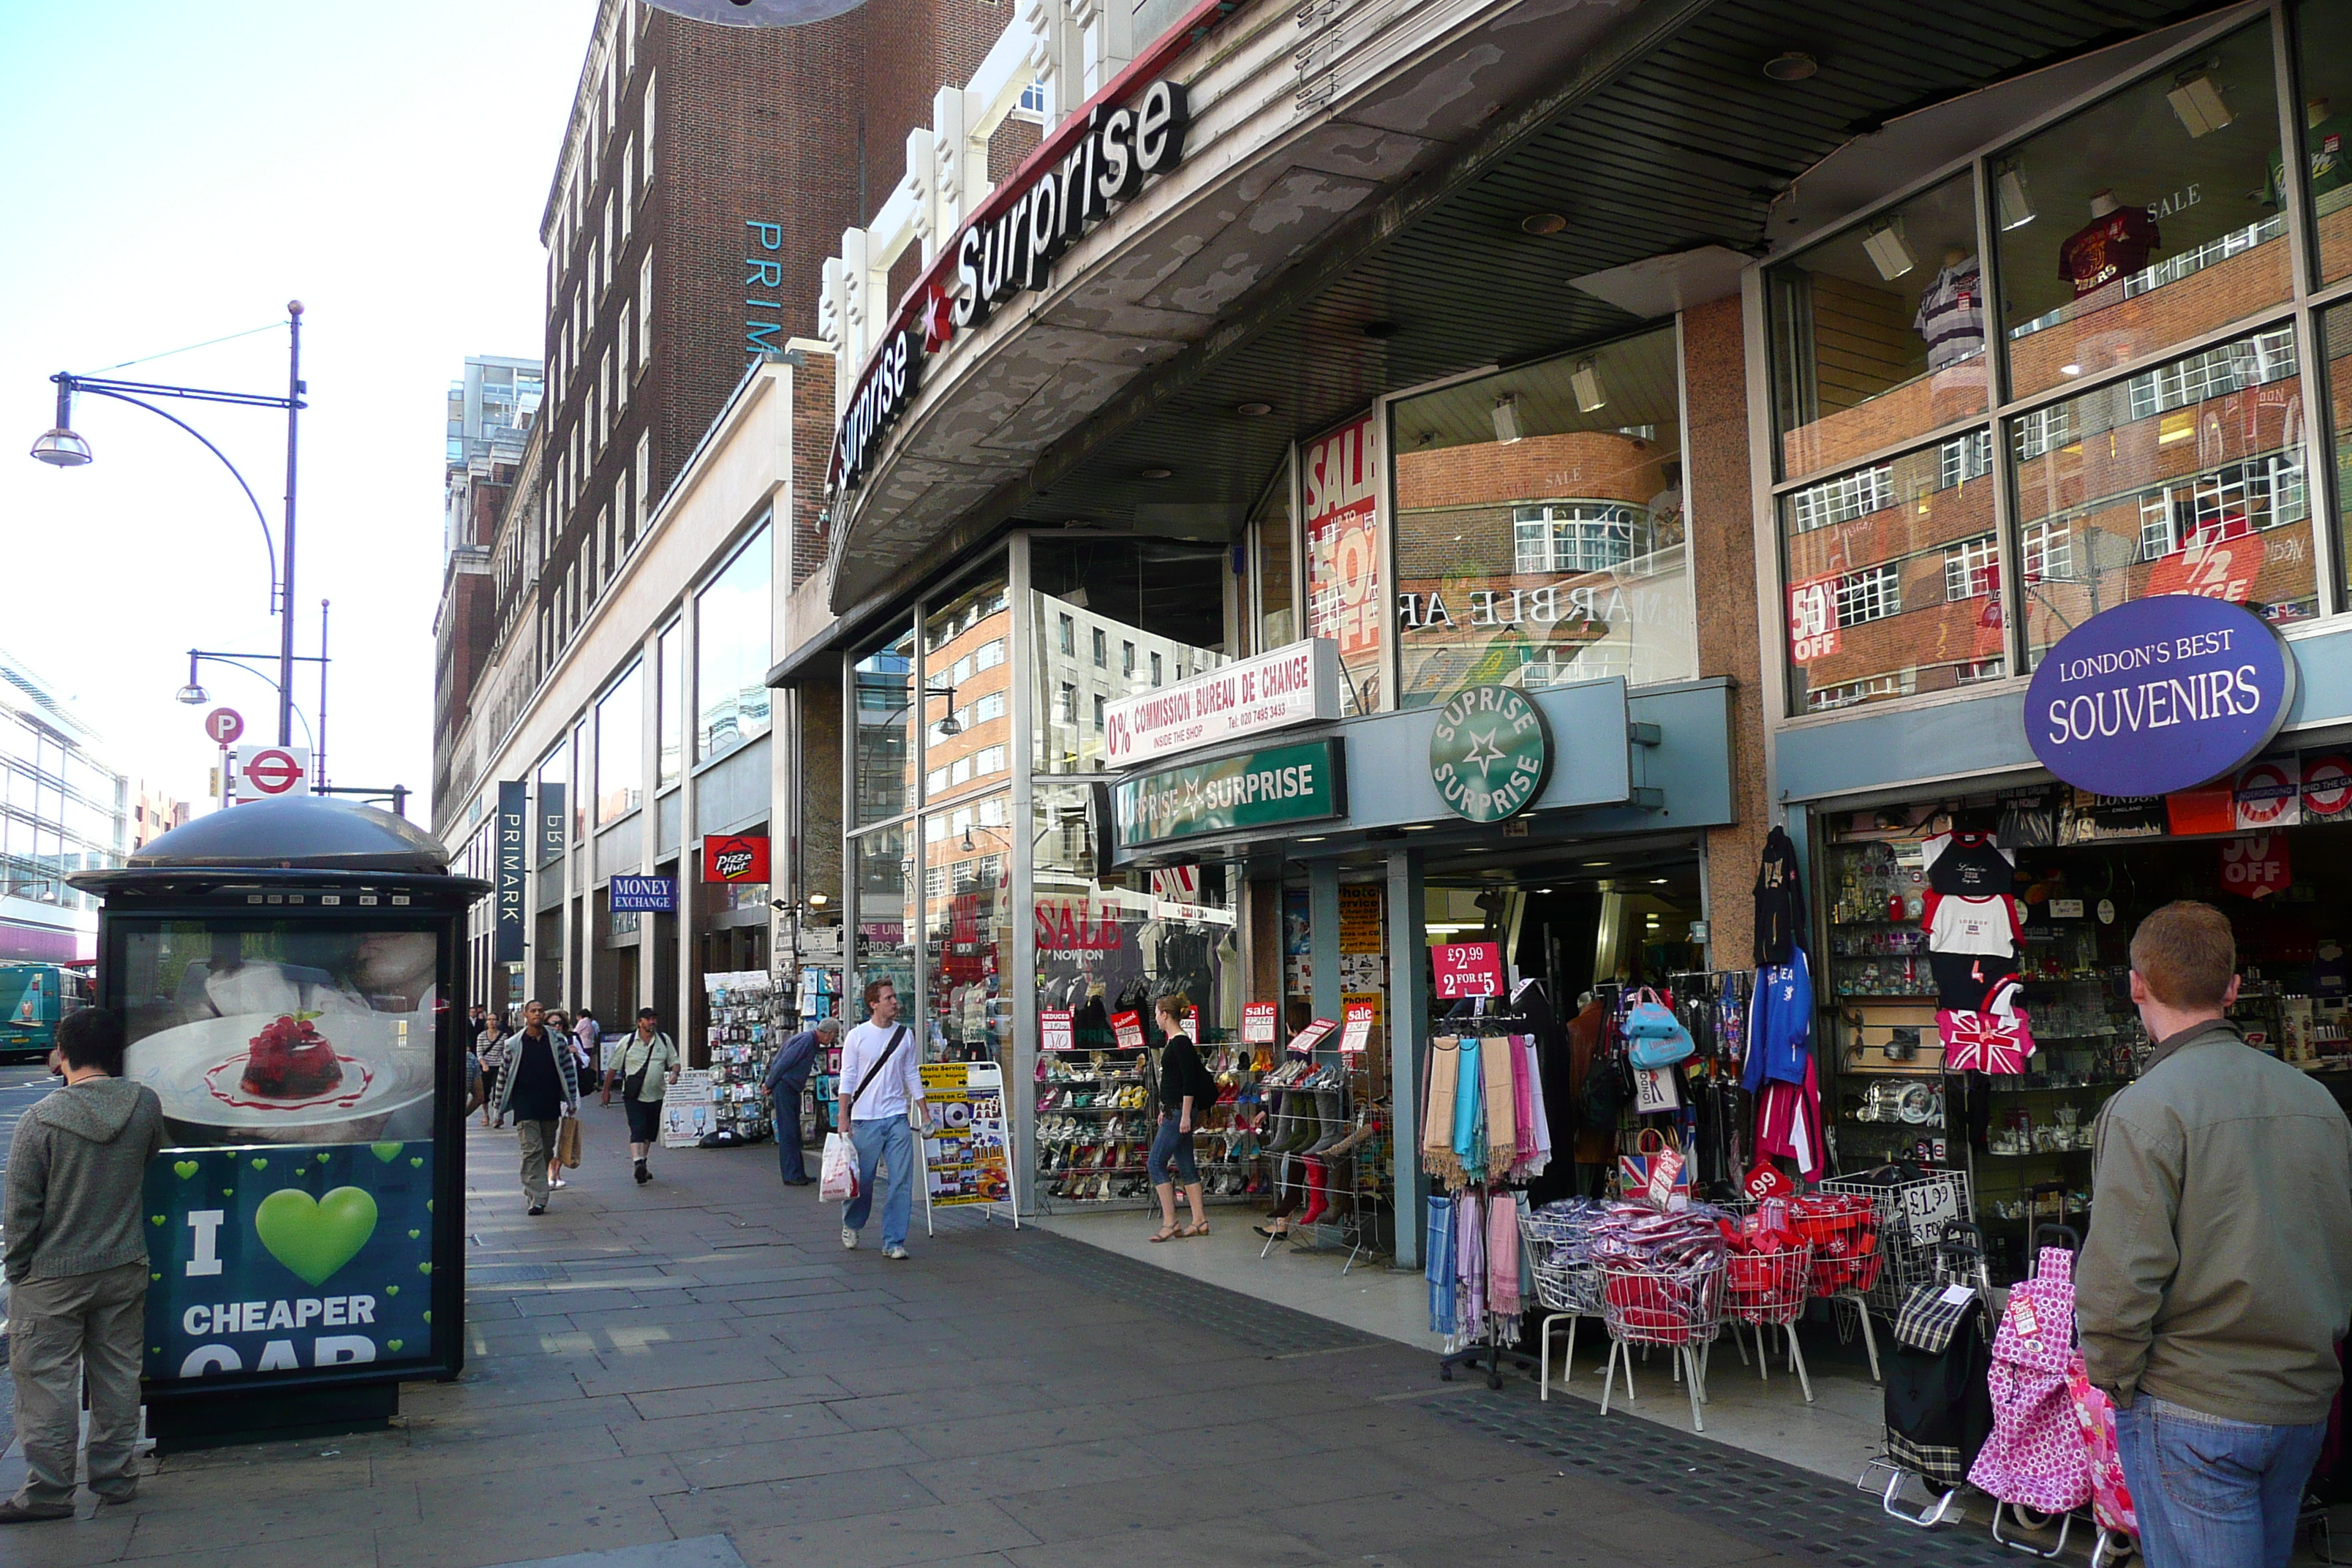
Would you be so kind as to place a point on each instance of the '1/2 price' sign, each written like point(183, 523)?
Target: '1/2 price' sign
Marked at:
point(1467, 969)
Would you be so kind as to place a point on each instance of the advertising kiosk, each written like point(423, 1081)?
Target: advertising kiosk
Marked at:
point(289, 977)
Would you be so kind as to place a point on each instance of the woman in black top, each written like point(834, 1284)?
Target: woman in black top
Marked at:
point(1186, 1092)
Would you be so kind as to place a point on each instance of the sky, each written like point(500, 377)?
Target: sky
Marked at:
point(177, 174)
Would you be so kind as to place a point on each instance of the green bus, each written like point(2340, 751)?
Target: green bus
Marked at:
point(33, 997)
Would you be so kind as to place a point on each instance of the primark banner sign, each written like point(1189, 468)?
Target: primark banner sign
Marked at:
point(2160, 695)
point(1272, 789)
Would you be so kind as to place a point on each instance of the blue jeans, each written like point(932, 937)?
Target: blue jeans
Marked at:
point(1168, 1144)
point(788, 1135)
point(886, 1137)
point(2213, 1493)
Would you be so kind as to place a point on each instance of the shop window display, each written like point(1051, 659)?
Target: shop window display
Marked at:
point(2335, 328)
point(2187, 478)
point(1539, 526)
point(1878, 333)
point(1894, 580)
point(620, 747)
point(1338, 490)
point(966, 681)
point(1167, 596)
point(1277, 620)
point(731, 652)
point(883, 865)
point(882, 694)
point(2145, 220)
point(2323, 40)
point(967, 917)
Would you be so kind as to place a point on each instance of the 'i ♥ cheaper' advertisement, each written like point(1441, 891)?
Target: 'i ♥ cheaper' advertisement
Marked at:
point(294, 1258)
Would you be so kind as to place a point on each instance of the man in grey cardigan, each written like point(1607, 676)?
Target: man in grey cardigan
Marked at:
point(77, 1267)
point(2218, 1275)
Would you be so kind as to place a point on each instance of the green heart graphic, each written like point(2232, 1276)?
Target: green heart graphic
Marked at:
point(393, 1345)
point(428, 1206)
point(416, 1160)
point(391, 1290)
point(229, 1192)
point(315, 1236)
point(159, 1350)
point(428, 1317)
point(414, 1234)
point(156, 1218)
point(387, 1152)
point(322, 1159)
point(154, 1277)
point(261, 1165)
point(425, 1268)
point(184, 1169)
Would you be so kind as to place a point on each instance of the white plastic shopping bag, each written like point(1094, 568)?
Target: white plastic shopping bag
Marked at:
point(837, 1177)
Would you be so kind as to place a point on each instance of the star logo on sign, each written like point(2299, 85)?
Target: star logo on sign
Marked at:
point(1483, 754)
point(938, 321)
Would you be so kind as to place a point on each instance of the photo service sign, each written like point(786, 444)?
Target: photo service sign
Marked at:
point(1293, 685)
point(2158, 695)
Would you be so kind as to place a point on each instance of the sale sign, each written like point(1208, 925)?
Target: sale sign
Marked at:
point(1356, 1028)
point(1258, 1023)
point(1054, 1031)
point(1813, 619)
point(1339, 475)
point(2256, 867)
point(1126, 1029)
point(1461, 969)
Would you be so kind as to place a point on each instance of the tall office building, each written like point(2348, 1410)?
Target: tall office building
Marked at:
point(62, 810)
point(491, 408)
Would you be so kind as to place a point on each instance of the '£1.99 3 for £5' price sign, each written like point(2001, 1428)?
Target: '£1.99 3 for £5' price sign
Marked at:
point(288, 1257)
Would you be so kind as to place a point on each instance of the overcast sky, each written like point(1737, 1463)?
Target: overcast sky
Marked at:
point(178, 172)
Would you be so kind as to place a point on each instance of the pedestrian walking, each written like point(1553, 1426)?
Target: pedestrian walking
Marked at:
point(589, 1034)
point(539, 1088)
point(648, 1065)
point(76, 1261)
point(478, 1019)
point(1183, 1105)
point(786, 1077)
point(560, 1025)
point(492, 1054)
point(2217, 1276)
point(881, 1112)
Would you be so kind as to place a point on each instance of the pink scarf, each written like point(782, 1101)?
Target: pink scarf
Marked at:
point(1503, 1255)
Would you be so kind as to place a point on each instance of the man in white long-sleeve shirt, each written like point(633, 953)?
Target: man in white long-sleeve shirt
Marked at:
point(881, 1088)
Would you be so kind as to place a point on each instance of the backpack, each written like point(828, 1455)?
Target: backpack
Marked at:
point(1605, 1092)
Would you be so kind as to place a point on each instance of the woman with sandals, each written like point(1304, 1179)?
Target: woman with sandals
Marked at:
point(1186, 1093)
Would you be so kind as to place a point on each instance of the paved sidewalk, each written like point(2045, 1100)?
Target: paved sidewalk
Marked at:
point(699, 1358)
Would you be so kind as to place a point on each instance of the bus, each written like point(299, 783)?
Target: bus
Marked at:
point(33, 997)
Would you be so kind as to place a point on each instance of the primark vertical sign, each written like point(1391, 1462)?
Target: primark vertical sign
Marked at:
point(513, 834)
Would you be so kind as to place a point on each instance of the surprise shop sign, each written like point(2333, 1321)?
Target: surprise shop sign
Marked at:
point(1011, 247)
point(2160, 695)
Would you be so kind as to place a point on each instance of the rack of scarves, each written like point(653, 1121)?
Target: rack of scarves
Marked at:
point(1485, 1134)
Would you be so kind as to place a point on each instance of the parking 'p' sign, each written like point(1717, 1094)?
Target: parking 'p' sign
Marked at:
point(224, 725)
point(266, 773)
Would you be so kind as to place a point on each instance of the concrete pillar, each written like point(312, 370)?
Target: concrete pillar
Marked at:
point(1408, 1021)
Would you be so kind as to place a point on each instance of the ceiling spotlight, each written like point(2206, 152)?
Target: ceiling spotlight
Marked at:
point(1543, 223)
point(818, 901)
point(1252, 410)
point(1595, 865)
point(1884, 247)
point(2010, 194)
point(1506, 418)
point(1312, 838)
point(2198, 103)
point(1657, 881)
point(1791, 64)
point(1585, 381)
point(1157, 474)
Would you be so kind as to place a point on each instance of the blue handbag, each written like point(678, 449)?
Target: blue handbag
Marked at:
point(1654, 1037)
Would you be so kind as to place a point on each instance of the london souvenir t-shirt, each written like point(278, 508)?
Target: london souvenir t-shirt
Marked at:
point(1969, 864)
point(2107, 248)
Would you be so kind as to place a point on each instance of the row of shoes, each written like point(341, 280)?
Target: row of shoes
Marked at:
point(1059, 1070)
point(1125, 1097)
point(1097, 1189)
point(1308, 1121)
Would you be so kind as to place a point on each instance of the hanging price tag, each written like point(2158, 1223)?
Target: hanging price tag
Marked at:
point(1767, 1181)
point(1664, 1169)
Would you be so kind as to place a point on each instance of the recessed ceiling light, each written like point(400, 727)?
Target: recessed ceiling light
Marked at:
point(1595, 865)
point(1157, 474)
point(1543, 223)
point(1657, 881)
point(1315, 838)
point(1792, 65)
point(1252, 410)
point(1420, 826)
point(1380, 328)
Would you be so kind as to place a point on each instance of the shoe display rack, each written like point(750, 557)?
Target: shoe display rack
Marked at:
point(1226, 1143)
point(1325, 1136)
point(742, 1039)
point(1096, 1111)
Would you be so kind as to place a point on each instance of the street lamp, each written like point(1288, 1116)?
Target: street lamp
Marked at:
point(62, 447)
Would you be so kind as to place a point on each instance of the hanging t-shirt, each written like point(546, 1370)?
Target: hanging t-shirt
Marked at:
point(1779, 1024)
point(1969, 864)
point(2330, 141)
point(1951, 314)
point(1779, 910)
point(1960, 924)
point(2107, 248)
point(1965, 982)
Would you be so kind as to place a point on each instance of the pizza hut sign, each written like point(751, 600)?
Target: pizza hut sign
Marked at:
point(737, 858)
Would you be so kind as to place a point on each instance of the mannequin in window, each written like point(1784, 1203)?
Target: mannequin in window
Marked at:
point(2113, 246)
point(2327, 141)
point(1951, 312)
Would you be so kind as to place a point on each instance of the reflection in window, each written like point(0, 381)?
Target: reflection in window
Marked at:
point(1539, 526)
point(2145, 220)
point(2337, 328)
point(670, 721)
point(1165, 596)
point(2324, 34)
point(1270, 539)
point(966, 923)
point(882, 873)
point(620, 746)
point(964, 636)
point(1969, 569)
point(883, 688)
point(731, 652)
point(2186, 480)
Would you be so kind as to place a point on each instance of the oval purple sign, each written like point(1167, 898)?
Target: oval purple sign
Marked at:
point(2158, 695)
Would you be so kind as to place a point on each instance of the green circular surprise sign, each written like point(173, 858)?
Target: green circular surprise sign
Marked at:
point(1490, 753)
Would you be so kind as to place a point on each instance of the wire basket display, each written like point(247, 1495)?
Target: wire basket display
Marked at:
point(1912, 1209)
point(1673, 1304)
point(1768, 1289)
point(1844, 1231)
point(1559, 1243)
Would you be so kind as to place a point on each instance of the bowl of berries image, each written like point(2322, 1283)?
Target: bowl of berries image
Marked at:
point(292, 1077)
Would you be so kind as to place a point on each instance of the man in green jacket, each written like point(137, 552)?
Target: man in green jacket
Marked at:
point(648, 1065)
point(2217, 1276)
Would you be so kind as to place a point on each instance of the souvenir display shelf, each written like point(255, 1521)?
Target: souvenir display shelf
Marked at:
point(742, 1038)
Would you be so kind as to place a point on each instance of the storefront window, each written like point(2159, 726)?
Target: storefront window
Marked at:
point(583, 780)
point(966, 923)
point(620, 747)
point(884, 687)
point(1539, 526)
point(1878, 334)
point(2186, 480)
point(1277, 621)
point(885, 872)
point(1895, 579)
point(2145, 220)
point(731, 653)
point(1112, 618)
point(670, 722)
point(2323, 30)
point(1339, 475)
point(967, 685)
point(552, 774)
point(2337, 325)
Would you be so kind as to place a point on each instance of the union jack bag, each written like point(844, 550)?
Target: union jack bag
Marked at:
point(1997, 1040)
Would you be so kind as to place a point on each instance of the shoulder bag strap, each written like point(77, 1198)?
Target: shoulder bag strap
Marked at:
point(896, 1040)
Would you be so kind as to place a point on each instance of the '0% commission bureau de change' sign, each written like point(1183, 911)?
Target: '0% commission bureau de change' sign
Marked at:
point(1269, 788)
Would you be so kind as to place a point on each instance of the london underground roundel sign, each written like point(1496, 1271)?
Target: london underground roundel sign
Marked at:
point(1490, 753)
point(2159, 694)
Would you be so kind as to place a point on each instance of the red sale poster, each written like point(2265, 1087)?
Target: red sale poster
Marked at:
point(1127, 1030)
point(1467, 969)
point(1258, 1022)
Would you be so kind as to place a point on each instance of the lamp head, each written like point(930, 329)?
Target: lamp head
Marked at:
point(61, 448)
point(193, 695)
point(948, 728)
